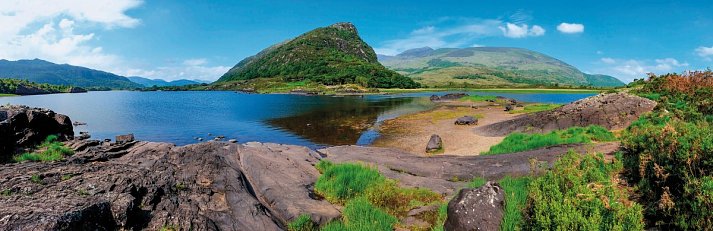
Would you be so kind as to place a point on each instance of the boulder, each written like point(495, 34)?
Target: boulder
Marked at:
point(509, 107)
point(466, 120)
point(476, 209)
point(23, 127)
point(124, 138)
point(434, 144)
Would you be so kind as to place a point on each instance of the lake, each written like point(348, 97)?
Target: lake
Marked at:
point(182, 117)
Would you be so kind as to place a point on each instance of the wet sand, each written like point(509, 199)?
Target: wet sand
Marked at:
point(411, 132)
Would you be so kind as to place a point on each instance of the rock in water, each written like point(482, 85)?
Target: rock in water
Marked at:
point(449, 96)
point(466, 120)
point(477, 209)
point(124, 138)
point(22, 126)
point(434, 144)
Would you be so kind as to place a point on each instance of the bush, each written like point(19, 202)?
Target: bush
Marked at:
point(518, 142)
point(578, 194)
point(671, 161)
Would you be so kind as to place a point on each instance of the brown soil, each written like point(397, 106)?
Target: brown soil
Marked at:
point(411, 132)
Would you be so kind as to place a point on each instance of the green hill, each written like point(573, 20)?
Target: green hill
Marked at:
point(40, 71)
point(490, 66)
point(332, 55)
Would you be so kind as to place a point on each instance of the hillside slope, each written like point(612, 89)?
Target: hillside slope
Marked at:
point(490, 66)
point(40, 71)
point(330, 55)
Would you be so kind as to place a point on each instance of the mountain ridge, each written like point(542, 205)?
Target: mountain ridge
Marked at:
point(146, 82)
point(495, 66)
point(42, 71)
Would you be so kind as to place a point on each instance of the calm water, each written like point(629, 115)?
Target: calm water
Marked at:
point(180, 117)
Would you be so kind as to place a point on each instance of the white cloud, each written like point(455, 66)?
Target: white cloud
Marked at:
point(520, 31)
point(570, 28)
point(465, 32)
point(608, 60)
point(630, 69)
point(705, 52)
point(188, 69)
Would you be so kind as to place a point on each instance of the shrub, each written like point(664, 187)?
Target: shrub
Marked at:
point(517, 142)
point(360, 215)
point(578, 194)
point(671, 161)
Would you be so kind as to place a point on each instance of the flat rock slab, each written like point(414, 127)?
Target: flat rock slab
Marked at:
point(145, 185)
point(612, 111)
point(446, 174)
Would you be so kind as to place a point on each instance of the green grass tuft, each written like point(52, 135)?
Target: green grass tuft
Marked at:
point(515, 202)
point(478, 98)
point(53, 151)
point(360, 215)
point(477, 182)
point(341, 182)
point(302, 223)
point(518, 142)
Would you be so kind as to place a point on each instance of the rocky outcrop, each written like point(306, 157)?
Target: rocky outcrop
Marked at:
point(447, 97)
point(612, 111)
point(435, 143)
point(145, 185)
point(476, 209)
point(445, 174)
point(76, 90)
point(22, 126)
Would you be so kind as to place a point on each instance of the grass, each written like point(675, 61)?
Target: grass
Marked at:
point(477, 182)
point(372, 202)
point(37, 179)
point(503, 90)
point(52, 151)
point(5, 95)
point(518, 142)
point(442, 113)
point(516, 190)
point(538, 107)
point(302, 223)
point(478, 98)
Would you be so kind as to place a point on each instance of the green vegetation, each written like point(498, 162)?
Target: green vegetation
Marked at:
point(372, 202)
point(477, 182)
point(333, 55)
point(668, 152)
point(478, 98)
point(302, 223)
point(493, 66)
point(8, 87)
point(37, 179)
point(579, 194)
point(51, 150)
point(41, 71)
point(524, 90)
point(517, 142)
point(6, 192)
point(516, 190)
point(538, 107)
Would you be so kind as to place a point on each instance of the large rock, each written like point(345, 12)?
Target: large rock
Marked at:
point(22, 126)
point(612, 111)
point(145, 185)
point(466, 120)
point(435, 143)
point(29, 90)
point(476, 209)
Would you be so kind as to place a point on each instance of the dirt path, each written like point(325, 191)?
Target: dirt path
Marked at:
point(411, 132)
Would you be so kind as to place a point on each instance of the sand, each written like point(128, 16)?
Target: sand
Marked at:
point(411, 132)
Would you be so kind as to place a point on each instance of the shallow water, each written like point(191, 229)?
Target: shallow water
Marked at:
point(181, 117)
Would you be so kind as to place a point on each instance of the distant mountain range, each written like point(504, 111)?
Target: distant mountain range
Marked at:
point(494, 66)
point(41, 71)
point(163, 83)
point(331, 55)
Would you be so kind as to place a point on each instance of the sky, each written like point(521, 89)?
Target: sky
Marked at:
point(203, 39)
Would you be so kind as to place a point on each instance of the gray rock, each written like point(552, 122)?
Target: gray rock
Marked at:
point(232, 140)
point(434, 144)
point(124, 138)
point(466, 120)
point(448, 97)
point(24, 127)
point(476, 209)
point(509, 107)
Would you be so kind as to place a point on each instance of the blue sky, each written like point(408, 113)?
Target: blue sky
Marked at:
point(202, 39)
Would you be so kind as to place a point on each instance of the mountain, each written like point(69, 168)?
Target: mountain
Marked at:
point(41, 71)
point(494, 66)
point(330, 55)
point(162, 83)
